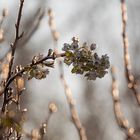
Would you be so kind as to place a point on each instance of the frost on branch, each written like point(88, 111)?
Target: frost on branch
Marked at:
point(85, 60)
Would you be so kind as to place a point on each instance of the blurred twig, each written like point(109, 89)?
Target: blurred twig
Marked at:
point(121, 120)
point(4, 14)
point(73, 110)
point(128, 72)
point(39, 134)
point(35, 24)
point(52, 25)
point(2, 17)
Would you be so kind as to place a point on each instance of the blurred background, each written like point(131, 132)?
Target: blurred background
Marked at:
point(92, 21)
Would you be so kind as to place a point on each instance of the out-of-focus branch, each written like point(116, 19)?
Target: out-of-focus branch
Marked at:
point(68, 93)
point(73, 110)
point(4, 14)
point(121, 120)
point(39, 134)
point(2, 17)
point(128, 72)
point(52, 25)
point(35, 24)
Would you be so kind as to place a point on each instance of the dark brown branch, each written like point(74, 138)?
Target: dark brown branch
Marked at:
point(13, 47)
point(129, 76)
point(120, 119)
point(17, 37)
point(17, 25)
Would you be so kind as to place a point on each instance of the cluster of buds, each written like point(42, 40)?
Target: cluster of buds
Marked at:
point(85, 60)
point(39, 71)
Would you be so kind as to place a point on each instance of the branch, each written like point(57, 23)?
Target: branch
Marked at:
point(120, 119)
point(17, 37)
point(13, 47)
point(127, 64)
point(73, 110)
point(53, 57)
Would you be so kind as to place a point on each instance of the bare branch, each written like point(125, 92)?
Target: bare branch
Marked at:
point(17, 37)
point(129, 76)
point(13, 47)
point(121, 120)
point(73, 110)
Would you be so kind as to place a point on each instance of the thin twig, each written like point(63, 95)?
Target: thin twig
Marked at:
point(121, 120)
point(17, 37)
point(13, 47)
point(128, 72)
point(34, 26)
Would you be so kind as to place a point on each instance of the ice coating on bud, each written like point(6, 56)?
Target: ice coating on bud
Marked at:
point(85, 60)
